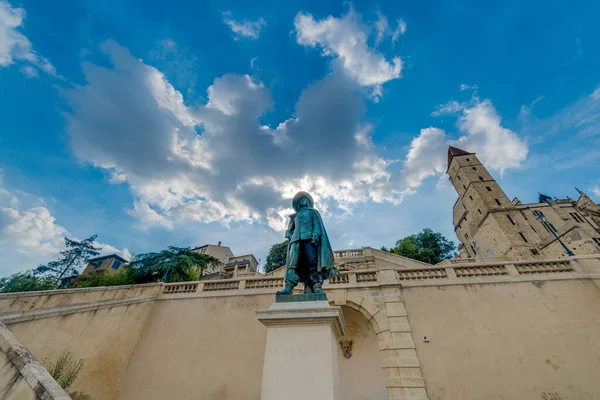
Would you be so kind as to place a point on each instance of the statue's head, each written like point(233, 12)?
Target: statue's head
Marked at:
point(301, 200)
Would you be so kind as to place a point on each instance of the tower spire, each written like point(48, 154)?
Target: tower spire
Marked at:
point(455, 151)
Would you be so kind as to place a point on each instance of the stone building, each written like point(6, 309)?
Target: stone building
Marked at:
point(489, 224)
point(230, 264)
point(110, 263)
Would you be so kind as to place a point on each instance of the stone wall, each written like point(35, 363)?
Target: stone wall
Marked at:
point(527, 340)
point(507, 330)
point(99, 325)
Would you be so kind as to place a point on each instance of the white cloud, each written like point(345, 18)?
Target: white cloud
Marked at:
point(400, 30)
point(382, 26)
point(31, 230)
point(383, 29)
point(243, 29)
point(236, 169)
point(464, 87)
point(346, 39)
point(497, 147)
point(29, 233)
point(16, 47)
point(481, 131)
point(425, 157)
point(596, 190)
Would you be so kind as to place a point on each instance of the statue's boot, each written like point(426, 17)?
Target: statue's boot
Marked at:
point(317, 282)
point(317, 287)
point(289, 287)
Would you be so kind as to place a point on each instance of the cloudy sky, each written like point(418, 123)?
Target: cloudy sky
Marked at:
point(154, 123)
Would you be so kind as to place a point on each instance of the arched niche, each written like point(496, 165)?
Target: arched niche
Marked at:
point(361, 375)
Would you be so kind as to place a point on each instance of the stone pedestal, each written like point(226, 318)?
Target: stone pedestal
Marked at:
point(301, 356)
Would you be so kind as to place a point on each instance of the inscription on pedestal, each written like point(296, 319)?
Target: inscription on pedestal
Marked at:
point(298, 351)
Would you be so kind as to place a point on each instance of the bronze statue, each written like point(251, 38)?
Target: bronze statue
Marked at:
point(309, 257)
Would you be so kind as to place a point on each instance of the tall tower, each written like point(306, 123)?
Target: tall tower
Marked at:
point(485, 221)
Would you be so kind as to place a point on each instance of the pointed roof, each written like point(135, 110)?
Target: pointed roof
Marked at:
point(454, 151)
point(544, 199)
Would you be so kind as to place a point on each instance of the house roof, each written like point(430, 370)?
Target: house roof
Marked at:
point(108, 256)
point(455, 151)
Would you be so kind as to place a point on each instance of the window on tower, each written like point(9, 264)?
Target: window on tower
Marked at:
point(474, 168)
point(466, 235)
point(510, 219)
point(458, 176)
point(468, 159)
point(479, 211)
point(523, 237)
point(471, 197)
point(481, 178)
point(489, 189)
point(498, 202)
point(464, 187)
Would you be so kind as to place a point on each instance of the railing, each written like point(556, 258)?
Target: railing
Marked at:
point(222, 285)
point(362, 277)
point(426, 273)
point(348, 253)
point(185, 287)
point(544, 267)
point(337, 279)
point(369, 277)
point(264, 283)
point(482, 270)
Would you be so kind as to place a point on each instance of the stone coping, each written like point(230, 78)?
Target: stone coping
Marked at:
point(53, 292)
point(41, 313)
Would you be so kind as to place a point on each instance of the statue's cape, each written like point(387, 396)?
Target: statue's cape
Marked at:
point(325, 262)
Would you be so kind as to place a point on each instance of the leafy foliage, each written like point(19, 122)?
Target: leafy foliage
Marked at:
point(427, 246)
point(76, 254)
point(25, 281)
point(64, 370)
point(182, 264)
point(277, 256)
point(103, 277)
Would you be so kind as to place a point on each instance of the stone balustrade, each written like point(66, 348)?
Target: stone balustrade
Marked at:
point(348, 253)
point(425, 273)
point(474, 272)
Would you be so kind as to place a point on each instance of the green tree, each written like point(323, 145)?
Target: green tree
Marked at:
point(277, 256)
point(175, 264)
point(76, 255)
point(25, 281)
point(103, 277)
point(427, 246)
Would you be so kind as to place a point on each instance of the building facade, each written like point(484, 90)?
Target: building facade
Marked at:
point(109, 263)
point(488, 224)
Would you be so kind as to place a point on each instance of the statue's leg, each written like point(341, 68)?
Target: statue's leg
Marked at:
point(291, 276)
point(315, 278)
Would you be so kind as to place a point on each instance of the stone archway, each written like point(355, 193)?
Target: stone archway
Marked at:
point(384, 311)
point(361, 375)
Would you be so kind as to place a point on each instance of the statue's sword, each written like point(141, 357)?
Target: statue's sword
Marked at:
point(337, 272)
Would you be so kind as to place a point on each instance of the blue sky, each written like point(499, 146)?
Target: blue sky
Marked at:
point(184, 123)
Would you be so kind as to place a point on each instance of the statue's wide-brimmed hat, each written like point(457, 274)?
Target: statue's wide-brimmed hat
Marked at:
point(300, 195)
